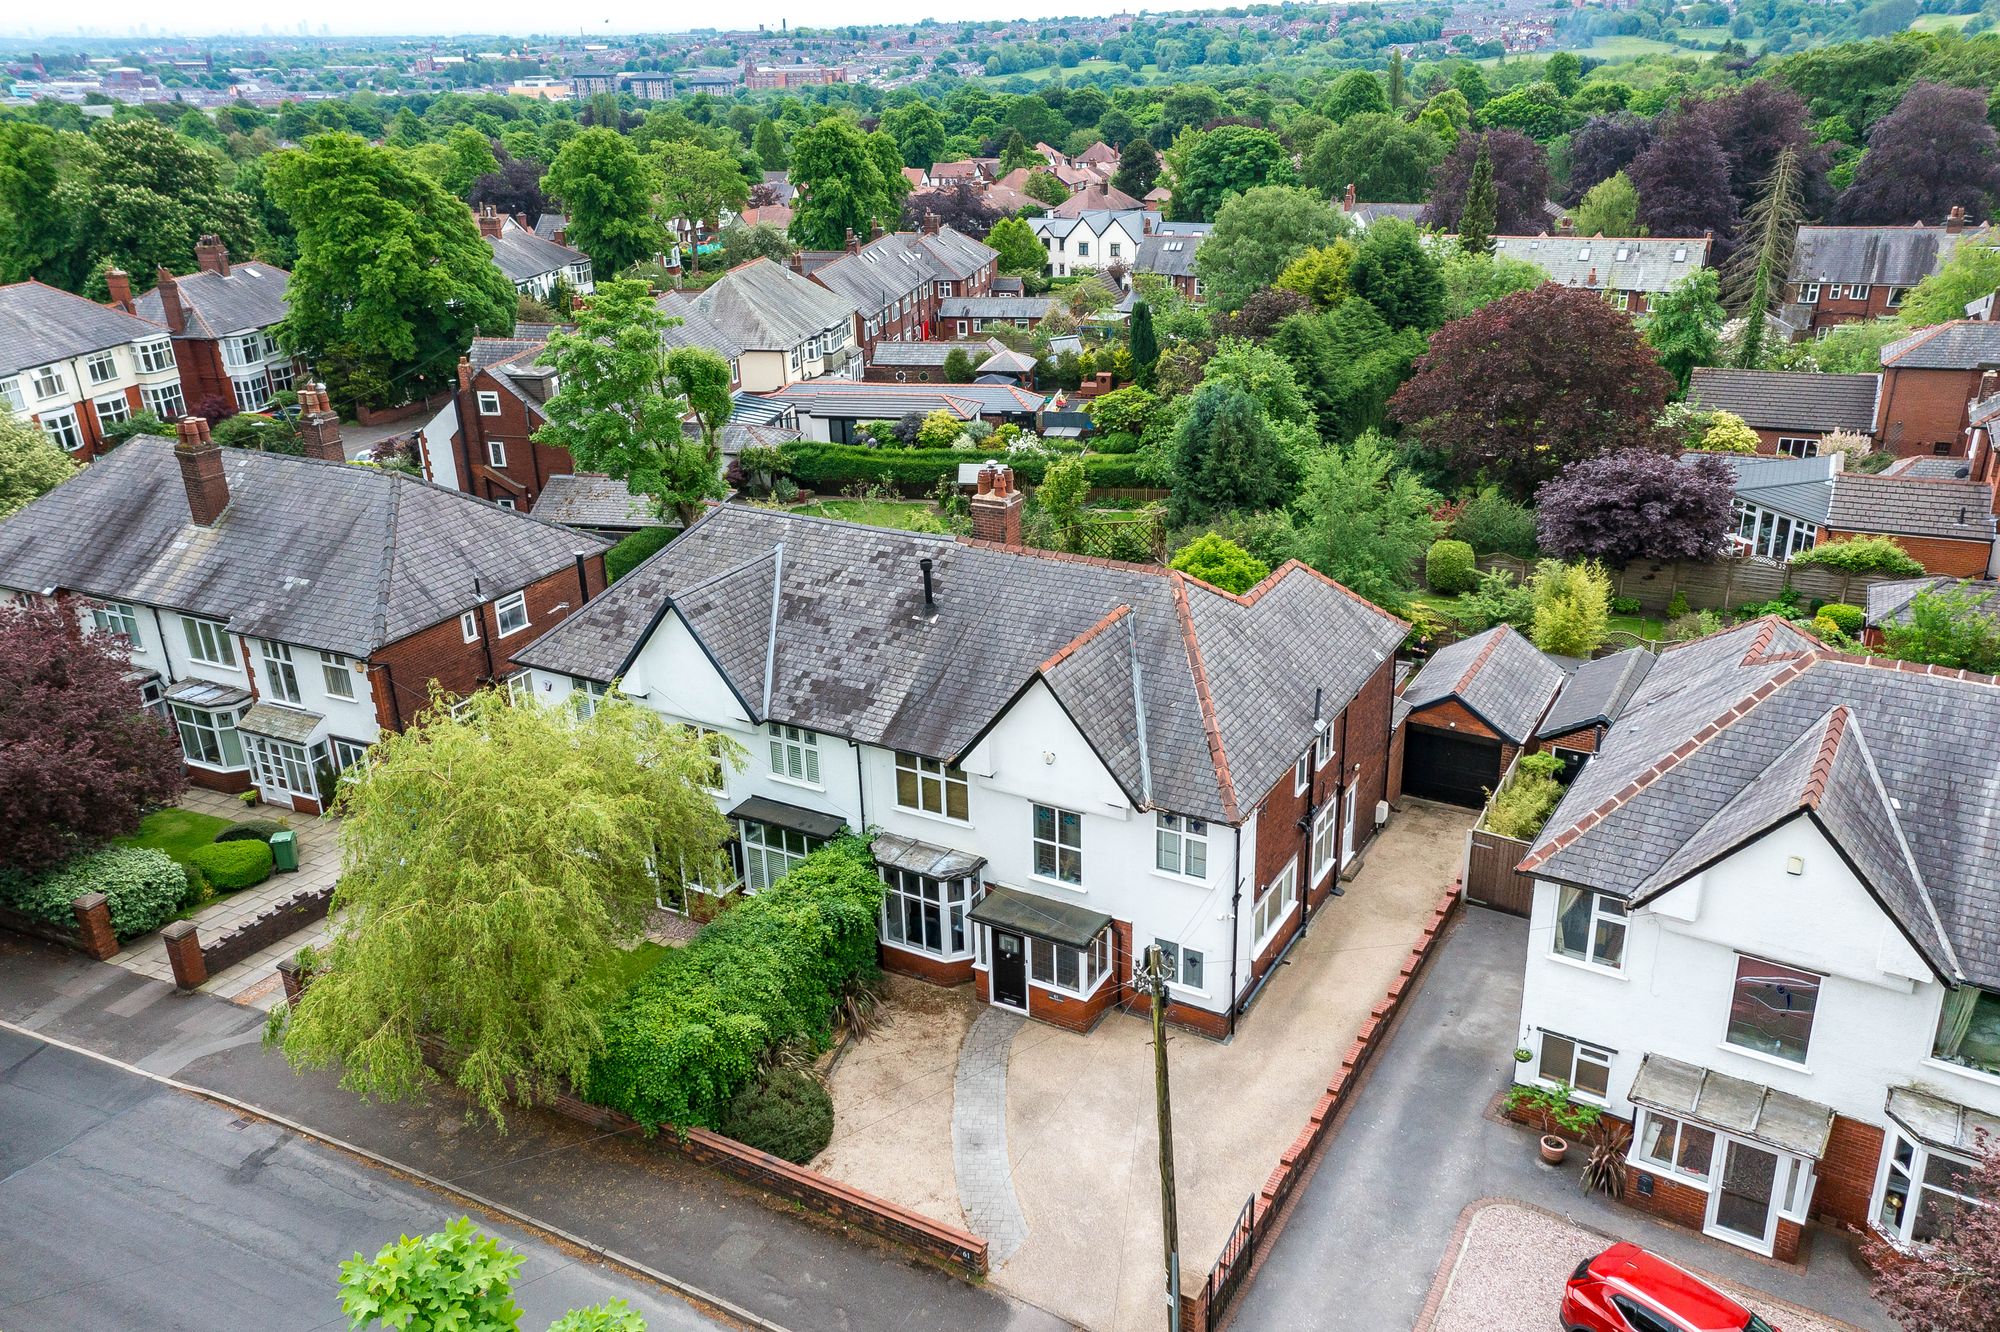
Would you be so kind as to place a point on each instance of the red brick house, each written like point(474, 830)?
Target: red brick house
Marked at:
point(223, 317)
point(897, 281)
point(1929, 381)
point(1465, 717)
point(1841, 275)
point(1791, 413)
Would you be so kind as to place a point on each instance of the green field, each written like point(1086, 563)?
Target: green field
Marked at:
point(1941, 22)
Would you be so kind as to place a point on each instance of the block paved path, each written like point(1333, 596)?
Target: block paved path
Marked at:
point(979, 1135)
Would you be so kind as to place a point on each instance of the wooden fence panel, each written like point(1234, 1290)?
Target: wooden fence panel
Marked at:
point(1490, 877)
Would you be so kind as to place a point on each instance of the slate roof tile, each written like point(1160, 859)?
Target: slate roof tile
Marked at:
point(1781, 400)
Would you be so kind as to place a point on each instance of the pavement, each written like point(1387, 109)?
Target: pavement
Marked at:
point(619, 1192)
point(125, 1204)
point(1509, 1268)
point(1369, 1228)
point(1080, 1129)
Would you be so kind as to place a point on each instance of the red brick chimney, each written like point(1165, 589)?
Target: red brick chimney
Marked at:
point(996, 509)
point(1347, 201)
point(490, 222)
point(875, 232)
point(319, 425)
point(211, 255)
point(172, 313)
point(201, 471)
point(930, 223)
point(120, 283)
point(798, 262)
point(854, 241)
point(1955, 221)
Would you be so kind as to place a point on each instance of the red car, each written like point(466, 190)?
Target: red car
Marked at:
point(1626, 1289)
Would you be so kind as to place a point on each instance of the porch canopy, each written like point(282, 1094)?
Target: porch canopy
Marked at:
point(294, 725)
point(1746, 1109)
point(1943, 1124)
point(932, 862)
point(1044, 918)
point(812, 823)
point(208, 694)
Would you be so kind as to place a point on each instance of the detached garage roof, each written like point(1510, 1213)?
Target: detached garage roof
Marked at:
point(1498, 676)
point(1779, 400)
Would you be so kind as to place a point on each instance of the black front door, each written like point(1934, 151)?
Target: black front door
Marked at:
point(1010, 969)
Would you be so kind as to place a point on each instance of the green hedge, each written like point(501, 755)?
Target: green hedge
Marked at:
point(260, 830)
point(833, 467)
point(1450, 568)
point(634, 550)
point(785, 1112)
point(231, 865)
point(1848, 619)
point(692, 1032)
point(145, 888)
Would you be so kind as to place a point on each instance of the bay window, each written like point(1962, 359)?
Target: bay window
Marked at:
point(112, 408)
point(1180, 845)
point(926, 915)
point(156, 356)
point(253, 392)
point(771, 852)
point(1921, 1186)
point(1076, 970)
point(931, 786)
point(163, 400)
point(48, 382)
point(1590, 927)
point(101, 367)
point(62, 427)
point(208, 738)
point(282, 376)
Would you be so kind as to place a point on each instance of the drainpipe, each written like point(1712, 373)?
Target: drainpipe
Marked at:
point(1235, 917)
point(582, 581)
point(860, 787)
point(1305, 870)
point(166, 649)
point(479, 618)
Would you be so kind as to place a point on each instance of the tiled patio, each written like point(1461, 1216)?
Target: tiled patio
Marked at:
point(253, 980)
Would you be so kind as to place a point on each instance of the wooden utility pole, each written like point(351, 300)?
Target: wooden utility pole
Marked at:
point(1155, 982)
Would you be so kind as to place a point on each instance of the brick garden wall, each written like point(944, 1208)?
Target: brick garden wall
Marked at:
point(1847, 1172)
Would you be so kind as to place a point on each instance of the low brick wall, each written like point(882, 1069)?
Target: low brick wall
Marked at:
point(266, 928)
point(92, 934)
point(1267, 1207)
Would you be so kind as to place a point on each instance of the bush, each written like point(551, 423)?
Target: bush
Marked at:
point(785, 1112)
point(1492, 524)
point(1220, 561)
point(1450, 568)
point(832, 468)
point(1848, 619)
point(1117, 441)
point(634, 551)
point(145, 889)
point(1625, 606)
point(1572, 607)
point(1690, 624)
point(1524, 804)
point(1867, 554)
point(262, 830)
point(231, 865)
point(765, 973)
point(1677, 605)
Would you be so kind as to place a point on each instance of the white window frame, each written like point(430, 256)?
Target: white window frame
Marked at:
point(281, 676)
point(11, 395)
point(1798, 446)
point(101, 367)
point(794, 752)
point(208, 642)
point(767, 847)
point(489, 402)
point(1302, 773)
point(281, 375)
point(345, 754)
point(1324, 854)
point(1857, 292)
point(156, 356)
point(909, 897)
point(163, 400)
point(1274, 908)
point(1055, 846)
point(216, 723)
point(117, 619)
point(48, 382)
point(1809, 293)
point(1178, 841)
point(512, 608)
point(1896, 295)
point(496, 453)
point(1180, 961)
point(506, 502)
point(468, 626)
point(241, 350)
point(253, 391)
point(281, 766)
point(1603, 910)
point(64, 428)
point(1581, 1052)
point(337, 675)
point(1914, 1172)
point(932, 784)
point(1092, 965)
point(1674, 1134)
point(1803, 1062)
point(1323, 748)
point(111, 409)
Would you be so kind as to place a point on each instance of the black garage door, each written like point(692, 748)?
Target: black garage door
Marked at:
point(1443, 765)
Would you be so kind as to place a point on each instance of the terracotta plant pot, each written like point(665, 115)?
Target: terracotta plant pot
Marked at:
point(1554, 1149)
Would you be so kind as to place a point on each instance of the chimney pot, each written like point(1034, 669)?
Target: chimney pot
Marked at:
point(1955, 220)
point(930, 223)
point(211, 255)
point(996, 509)
point(853, 242)
point(930, 599)
point(875, 232)
point(200, 458)
point(320, 425)
point(120, 284)
point(491, 224)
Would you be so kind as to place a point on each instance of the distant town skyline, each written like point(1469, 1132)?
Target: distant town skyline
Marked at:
point(524, 18)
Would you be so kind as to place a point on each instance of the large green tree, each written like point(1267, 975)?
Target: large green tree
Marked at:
point(393, 279)
point(1355, 93)
point(1609, 208)
point(697, 184)
point(468, 156)
point(619, 406)
point(606, 189)
point(31, 463)
point(1972, 271)
point(39, 209)
point(1684, 325)
point(1394, 272)
point(464, 921)
point(1211, 166)
point(1225, 455)
point(841, 186)
point(1364, 522)
point(1385, 159)
point(1020, 249)
point(919, 133)
point(1256, 235)
point(1757, 271)
point(149, 194)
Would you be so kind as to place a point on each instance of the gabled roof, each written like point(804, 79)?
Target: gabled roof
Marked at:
point(1095, 197)
point(765, 306)
point(877, 401)
point(1912, 506)
point(1498, 676)
point(515, 367)
point(1889, 603)
point(524, 256)
point(323, 554)
point(1873, 256)
point(1733, 731)
point(40, 324)
point(891, 267)
point(1170, 255)
point(1781, 400)
point(695, 329)
point(1610, 263)
point(591, 499)
point(1596, 692)
point(250, 297)
point(928, 355)
point(994, 307)
point(1366, 213)
point(1961, 344)
point(1800, 488)
point(1196, 700)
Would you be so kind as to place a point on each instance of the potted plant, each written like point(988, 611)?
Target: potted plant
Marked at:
point(1554, 1149)
point(1552, 1110)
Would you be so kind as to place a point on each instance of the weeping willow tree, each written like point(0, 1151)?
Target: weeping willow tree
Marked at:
point(491, 863)
point(1754, 278)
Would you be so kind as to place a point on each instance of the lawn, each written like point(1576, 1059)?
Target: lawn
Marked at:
point(1453, 609)
point(911, 515)
point(1642, 625)
point(177, 832)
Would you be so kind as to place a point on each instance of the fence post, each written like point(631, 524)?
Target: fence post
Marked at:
point(93, 925)
point(184, 955)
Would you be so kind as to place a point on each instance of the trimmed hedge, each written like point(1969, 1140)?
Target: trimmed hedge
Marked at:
point(830, 468)
point(692, 1032)
point(145, 888)
point(635, 550)
point(261, 830)
point(231, 865)
point(1848, 619)
point(784, 1112)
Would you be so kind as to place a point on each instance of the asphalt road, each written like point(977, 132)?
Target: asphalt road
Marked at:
point(126, 1205)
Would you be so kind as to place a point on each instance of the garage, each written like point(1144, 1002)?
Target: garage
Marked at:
point(1447, 766)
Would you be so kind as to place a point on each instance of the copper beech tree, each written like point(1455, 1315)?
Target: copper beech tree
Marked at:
point(1952, 1283)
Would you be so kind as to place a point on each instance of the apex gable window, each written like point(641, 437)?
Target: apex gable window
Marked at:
point(511, 613)
point(208, 642)
point(1590, 927)
point(1771, 1009)
point(339, 677)
point(1180, 845)
point(281, 679)
point(931, 786)
point(1585, 1067)
point(1058, 844)
point(117, 618)
point(489, 403)
point(794, 753)
point(102, 367)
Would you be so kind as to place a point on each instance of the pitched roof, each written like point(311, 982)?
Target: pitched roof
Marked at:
point(1596, 691)
point(1093, 198)
point(591, 499)
point(1499, 676)
point(696, 328)
point(1873, 256)
point(524, 256)
point(859, 398)
point(1196, 700)
point(251, 296)
point(765, 306)
point(1609, 263)
point(1366, 213)
point(994, 307)
point(1168, 255)
point(1890, 603)
point(890, 267)
point(323, 554)
point(40, 324)
point(1780, 400)
point(1730, 732)
point(1961, 344)
point(929, 355)
point(1800, 488)
point(1912, 506)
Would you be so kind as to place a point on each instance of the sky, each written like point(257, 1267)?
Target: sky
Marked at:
point(110, 18)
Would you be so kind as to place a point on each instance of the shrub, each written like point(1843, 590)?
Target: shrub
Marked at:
point(831, 468)
point(1524, 804)
point(232, 865)
point(1218, 560)
point(1450, 568)
point(1625, 606)
point(1865, 554)
point(1677, 605)
point(145, 889)
point(262, 830)
point(634, 551)
point(783, 1111)
point(1117, 441)
point(1492, 524)
point(1541, 765)
point(1572, 607)
point(1848, 619)
point(1690, 624)
point(765, 973)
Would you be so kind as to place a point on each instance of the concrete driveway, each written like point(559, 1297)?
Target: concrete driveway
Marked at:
point(1080, 1132)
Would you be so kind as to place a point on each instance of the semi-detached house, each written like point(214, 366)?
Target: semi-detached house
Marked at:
point(1063, 760)
point(74, 367)
point(788, 327)
point(224, 319)
point(283, 612)
point(1766, 931)
point(896, 281)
